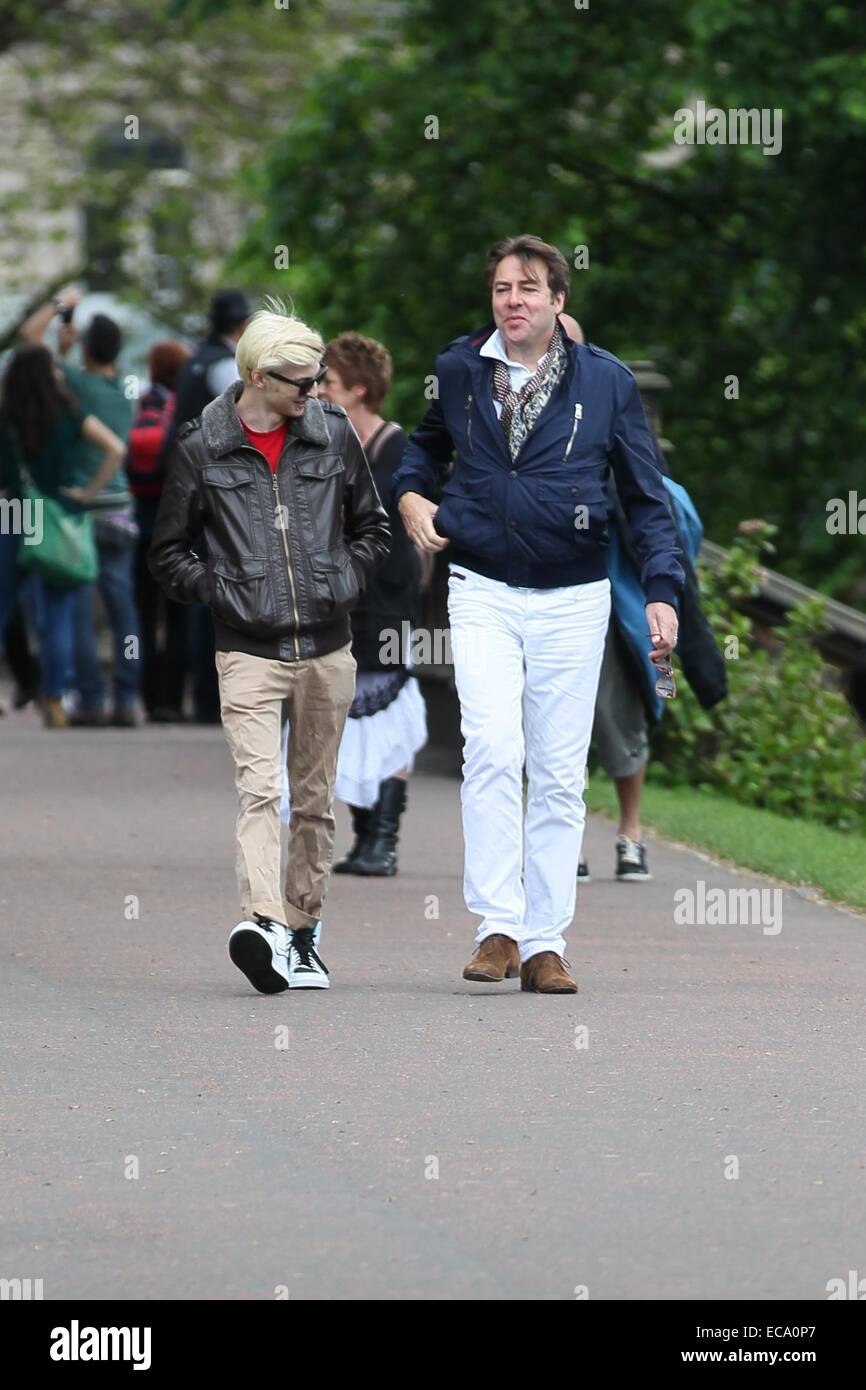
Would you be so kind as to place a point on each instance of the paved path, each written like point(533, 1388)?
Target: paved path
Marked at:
point(312, 1166)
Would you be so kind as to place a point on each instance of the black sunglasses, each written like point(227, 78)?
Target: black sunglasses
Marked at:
point(306, 383)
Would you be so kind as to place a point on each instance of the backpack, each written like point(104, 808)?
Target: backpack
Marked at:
point(147, 438)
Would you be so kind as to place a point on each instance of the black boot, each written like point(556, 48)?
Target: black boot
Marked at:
point(361, 824)
point(378, 856)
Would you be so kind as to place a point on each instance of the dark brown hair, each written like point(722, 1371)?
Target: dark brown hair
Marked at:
point(33, 399)
point(531, 248)
point(164, 361)
point(361, 361)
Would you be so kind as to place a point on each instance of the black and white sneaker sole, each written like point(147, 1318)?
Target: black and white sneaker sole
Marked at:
point(252, 955)
point(637, 876)
point(312, 979)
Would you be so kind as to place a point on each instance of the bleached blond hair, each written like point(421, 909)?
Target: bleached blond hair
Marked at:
point(275, 338)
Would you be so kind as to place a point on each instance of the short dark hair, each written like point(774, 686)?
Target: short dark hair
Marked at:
point(102, 340)
point(361, 361)
point(531, 248)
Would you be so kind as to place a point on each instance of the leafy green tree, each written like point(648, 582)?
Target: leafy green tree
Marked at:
point(138, 116)
point(405, 161)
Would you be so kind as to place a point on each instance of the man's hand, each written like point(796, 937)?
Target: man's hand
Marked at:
point(418, 514)
point(33, 329)
point(77, 494)
point(663, 627)
point(67, 298)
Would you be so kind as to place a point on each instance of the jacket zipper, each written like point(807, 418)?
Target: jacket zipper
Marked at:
point(278, 520)
point(282, 530)
point(469, 422)
point(578, 415)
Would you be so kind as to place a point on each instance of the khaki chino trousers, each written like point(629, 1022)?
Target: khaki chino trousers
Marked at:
point(319, 691)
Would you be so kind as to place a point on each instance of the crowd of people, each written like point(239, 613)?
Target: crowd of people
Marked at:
point(75, 435)
point(83, 439)
point(253, 525)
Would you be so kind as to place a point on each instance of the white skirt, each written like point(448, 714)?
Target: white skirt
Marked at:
point(373, 747)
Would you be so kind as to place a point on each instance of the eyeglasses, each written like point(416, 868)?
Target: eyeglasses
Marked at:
point(666, 686)
point(305, 384)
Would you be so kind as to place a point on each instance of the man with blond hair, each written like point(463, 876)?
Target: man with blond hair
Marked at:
point(277, 482)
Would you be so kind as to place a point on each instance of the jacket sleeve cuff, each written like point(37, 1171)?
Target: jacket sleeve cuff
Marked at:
point(662, 590)
point(202, 587)
point(410, 483)
point(360, 571)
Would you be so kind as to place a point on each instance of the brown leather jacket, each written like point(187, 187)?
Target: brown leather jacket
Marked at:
point(287, 554)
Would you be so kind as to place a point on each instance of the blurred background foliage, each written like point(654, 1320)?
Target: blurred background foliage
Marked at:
point(559, 121)
point(786, 738)
point(712, 260)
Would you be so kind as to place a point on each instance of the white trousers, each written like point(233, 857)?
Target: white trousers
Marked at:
point(527, 664)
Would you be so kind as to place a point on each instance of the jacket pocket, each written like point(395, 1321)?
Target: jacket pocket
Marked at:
point(321, 481)
point(227, 491)
point(571, 511)
point(224, 475)
point(242, 594)
point(336, 584)
point(465, 512)
point(316, 467)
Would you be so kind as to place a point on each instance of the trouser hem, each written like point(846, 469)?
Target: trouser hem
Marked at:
point(535, 946)
point(274, 911)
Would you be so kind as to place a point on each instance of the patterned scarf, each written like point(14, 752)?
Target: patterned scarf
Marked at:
point(520, 410)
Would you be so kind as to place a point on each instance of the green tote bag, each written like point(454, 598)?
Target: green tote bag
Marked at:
point(65, 554)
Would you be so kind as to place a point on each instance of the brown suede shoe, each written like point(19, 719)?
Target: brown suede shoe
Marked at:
point(545, 973)
point(497, 958)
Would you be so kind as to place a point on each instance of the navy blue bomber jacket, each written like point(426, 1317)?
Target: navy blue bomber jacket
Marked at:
point(540, 521)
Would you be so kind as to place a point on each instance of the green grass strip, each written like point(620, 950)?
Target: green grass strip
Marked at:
point(798, 851)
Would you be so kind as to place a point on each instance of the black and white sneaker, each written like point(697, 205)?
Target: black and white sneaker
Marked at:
point(583, 874)
point(631, 865)
point(307, 970)
point(261, 950)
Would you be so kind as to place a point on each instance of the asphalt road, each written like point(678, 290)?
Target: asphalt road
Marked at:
point(407, 1135)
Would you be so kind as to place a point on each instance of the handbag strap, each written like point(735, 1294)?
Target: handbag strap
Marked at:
point(383, 433)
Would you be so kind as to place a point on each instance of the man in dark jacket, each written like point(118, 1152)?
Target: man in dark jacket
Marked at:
point(537, 422)
point(279, 485)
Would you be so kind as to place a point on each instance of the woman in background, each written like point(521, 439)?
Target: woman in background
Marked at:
point(387, 722)
point(40, 436)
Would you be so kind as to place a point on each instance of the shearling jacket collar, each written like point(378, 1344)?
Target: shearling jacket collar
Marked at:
point(223, 432)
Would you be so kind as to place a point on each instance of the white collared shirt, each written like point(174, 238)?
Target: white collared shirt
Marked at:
point(518, 374)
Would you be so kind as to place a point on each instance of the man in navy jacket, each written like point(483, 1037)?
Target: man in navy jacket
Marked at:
point(534, 422)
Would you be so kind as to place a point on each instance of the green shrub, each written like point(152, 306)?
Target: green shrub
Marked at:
point(785, 737)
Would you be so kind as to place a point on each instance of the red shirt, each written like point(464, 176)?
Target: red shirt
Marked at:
point(268, 442)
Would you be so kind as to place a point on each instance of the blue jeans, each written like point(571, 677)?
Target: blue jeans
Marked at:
point(11, 578)
point(116, 585)
point(55, 621)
